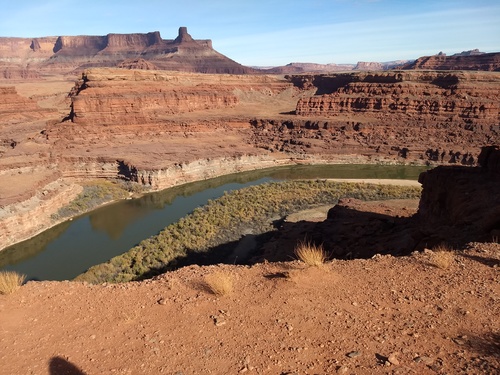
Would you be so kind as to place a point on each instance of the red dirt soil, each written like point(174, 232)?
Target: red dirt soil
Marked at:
point(378, 316)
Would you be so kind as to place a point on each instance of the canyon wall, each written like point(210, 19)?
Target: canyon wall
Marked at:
point(471, 60)
point(29, 57)
point(125, 105)
point(119, 97)
point(22, 221)
point(436, 116)
point(15, 108)
point(17, 116)
point(462, 202)
point(471, 97)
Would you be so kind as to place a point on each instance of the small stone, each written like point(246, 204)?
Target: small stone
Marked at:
point(353, 354)
point(162, 301)
point(342, 370)
point(392, 359)
point(424, 359)
point(459, 341)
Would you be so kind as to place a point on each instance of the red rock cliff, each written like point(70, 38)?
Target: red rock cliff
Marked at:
point(463, 201)
point(467, 97)
point(427, 116)
point(68, 53)
point(471, 61)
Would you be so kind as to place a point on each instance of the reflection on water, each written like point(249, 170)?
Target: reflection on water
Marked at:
point(70, 248)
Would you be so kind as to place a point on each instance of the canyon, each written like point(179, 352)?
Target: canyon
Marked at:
point(162, 128)
point(76, 109)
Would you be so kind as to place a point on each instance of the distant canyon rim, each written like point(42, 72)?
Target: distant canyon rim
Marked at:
point(75, 109)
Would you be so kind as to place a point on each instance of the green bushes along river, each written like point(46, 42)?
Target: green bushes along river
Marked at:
point(225, 220)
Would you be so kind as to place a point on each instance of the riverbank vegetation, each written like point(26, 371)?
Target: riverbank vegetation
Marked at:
point(96, 193)
point(226, 219)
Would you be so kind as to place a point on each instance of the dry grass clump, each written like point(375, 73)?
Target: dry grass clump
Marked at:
point(219, 283)
point(442, 256)
point(10, 281)
point(310, 254)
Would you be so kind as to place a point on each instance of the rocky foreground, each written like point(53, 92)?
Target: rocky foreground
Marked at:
point(405, 315)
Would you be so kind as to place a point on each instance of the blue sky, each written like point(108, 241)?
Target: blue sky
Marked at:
point(277, 32)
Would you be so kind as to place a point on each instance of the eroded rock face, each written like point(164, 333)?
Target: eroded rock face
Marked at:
point(135, 98)
point(137, 64)
point(469, 60)
point(470, 97)
point(14, 107)
point(460, 201)
point(435, 116)
point(17, 114)
point(458, 205)
point(24, 57)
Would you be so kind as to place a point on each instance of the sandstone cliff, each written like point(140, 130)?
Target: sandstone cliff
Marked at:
point(462, 61)
point(463, 203)
point(471, 97)
point(18, 118)
point(442, 117)
point(25, 57)
point(121, 97)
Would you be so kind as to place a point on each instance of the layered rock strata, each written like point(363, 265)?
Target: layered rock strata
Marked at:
point(471, 60)
point(435, 116)
point(141, 98)
point(27, 57)
point(22, 221)
point(18, 115)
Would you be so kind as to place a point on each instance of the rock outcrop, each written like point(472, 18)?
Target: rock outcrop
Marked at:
point(461, 61)
point(21, 224)
point(295, 68)
point(462, 203)
point(458, 205)
point(24, 57)
point(137, 64)
point(470, 97)
point(428, 116)
point(111, 97)
point(363, 65)
point(17, 114)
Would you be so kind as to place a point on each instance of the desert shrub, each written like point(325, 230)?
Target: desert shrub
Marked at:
point(442, 256)
point(219, 283)
point(10, 281)
point(94, 194)
point(225, 219)
point(310, 254)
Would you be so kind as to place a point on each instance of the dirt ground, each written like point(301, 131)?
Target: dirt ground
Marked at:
point(384, 315)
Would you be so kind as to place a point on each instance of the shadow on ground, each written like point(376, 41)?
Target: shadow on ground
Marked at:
point(60, 366)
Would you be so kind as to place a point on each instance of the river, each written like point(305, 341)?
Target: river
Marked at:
point(70, 248)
